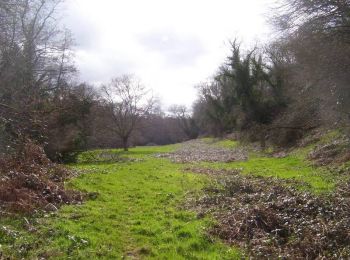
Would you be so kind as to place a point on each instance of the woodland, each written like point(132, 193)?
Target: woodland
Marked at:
point(257, 168)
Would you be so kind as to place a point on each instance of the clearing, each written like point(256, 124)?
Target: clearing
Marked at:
point(148, 203)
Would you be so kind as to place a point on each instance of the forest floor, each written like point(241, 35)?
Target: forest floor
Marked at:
point(179, 202)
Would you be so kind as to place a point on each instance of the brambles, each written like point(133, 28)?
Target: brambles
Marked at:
point(30, 181)
point(334, 152)
point(270, 218)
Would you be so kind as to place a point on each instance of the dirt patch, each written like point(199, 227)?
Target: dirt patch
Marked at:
point(200, 151)
point(270, 219)
point(30, 181)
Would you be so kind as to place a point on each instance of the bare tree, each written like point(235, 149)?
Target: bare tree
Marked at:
point(128, 101)
point(35, 64)
point(317, 39)
point(184, 120)
point(328, 17)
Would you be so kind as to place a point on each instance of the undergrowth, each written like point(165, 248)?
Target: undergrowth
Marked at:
point(30, 182)
point(272, 220)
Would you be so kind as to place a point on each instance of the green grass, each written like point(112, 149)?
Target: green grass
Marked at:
point(137, 212)
point(311, 178)
point(135, 215)
point(225, 143)
point(137, 152)
point(295, 166)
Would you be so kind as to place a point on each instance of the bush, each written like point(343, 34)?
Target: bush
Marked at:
point(29, 181)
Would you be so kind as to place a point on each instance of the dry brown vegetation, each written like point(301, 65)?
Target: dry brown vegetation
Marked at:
point(30, 181)
point(270, 219)
point(200, 151)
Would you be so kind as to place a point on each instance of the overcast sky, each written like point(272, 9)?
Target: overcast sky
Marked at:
point(171, 45)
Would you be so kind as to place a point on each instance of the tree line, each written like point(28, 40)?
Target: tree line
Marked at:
point(297, 82)
point(274, 92)
point(42, 101)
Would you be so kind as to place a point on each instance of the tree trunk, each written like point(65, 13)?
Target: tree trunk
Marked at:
point(125, 144)
point(263, 140)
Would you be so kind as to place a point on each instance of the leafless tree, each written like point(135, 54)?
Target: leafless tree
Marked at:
point(316, 36)
point(35, 63)
point(184, 120)
point(128, 101)
point(328, 17)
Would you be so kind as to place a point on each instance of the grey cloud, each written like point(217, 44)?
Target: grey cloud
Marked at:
point(105, 68)
point(85, 32)
point(177, 49)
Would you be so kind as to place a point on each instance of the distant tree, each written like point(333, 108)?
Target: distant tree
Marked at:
point(185, 120)
point(127, 102)
point(246, 90)
point(210, 112)
point(252, 85)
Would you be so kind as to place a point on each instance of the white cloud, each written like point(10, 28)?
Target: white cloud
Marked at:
point(170, 45)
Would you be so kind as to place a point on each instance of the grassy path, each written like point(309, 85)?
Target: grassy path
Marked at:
point(135, 215)
point(134, 210)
